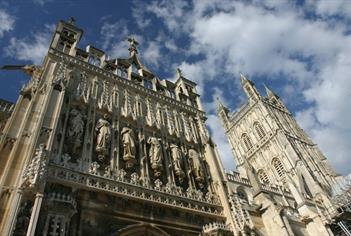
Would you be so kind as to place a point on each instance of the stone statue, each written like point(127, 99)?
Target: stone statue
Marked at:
point(129, 148)
point(103, 131)
point(75, 130)
point(195, 165)
point(155, 153)
point(177, 161)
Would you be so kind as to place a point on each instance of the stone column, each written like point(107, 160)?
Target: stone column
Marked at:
point(13, 210)
point(35, 214)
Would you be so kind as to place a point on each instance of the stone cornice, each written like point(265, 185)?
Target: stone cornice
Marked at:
point(134, 191)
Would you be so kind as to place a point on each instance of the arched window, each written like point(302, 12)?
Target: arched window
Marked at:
point(278, 166)
point(247, 141)
point(242, 195)
point(263, 176)
point(259, 130)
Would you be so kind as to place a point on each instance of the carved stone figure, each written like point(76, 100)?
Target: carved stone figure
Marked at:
point(195, 165)
point(156, 157)
point(129, 148)
point(75, 131)
point(177, 161)
point(103, 131)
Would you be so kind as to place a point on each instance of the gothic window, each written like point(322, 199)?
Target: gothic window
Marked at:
point(278, 167)
point(66, 41)
point(172, 94)
point(193, 102)
point(242, 195)
point(148, 84)
point(94, 60)
point(263, 176)
point(247, 141)
point(259, 130)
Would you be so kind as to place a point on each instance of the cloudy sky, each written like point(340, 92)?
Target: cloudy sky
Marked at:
point(300, 49)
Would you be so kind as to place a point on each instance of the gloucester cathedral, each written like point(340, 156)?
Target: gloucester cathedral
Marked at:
point(101, 146)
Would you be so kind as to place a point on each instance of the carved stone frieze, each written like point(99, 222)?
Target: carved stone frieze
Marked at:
point(34, 174)
point(123, 185)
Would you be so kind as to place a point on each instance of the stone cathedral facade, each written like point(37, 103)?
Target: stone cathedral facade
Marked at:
point(101, 146)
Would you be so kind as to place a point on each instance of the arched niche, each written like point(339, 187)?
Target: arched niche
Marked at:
point(141, 229)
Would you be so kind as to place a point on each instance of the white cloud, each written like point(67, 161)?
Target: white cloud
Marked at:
point(32, 48)
point(42, 2)
point(152, 53)
point(331, 8)
point(114, 38)
point(277, 40)
point(138, 13)
point(7, 22)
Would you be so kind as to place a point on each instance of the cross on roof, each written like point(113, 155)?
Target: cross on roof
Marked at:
point(71, 20)
point(133, 45)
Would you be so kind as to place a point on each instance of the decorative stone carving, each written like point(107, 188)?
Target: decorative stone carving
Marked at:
point(65, 159)
point(33, 84)
point(61, 75)
point(105, 101)
point(75, 132)
point(170, 122)
point(134, 178)
point(103, 137)
point(177, 162)
point(186, 130)
point(93, 169)
point(158, 185)
point(35, 172)
point(129, 148)
point(83, 89)
point(150, 116)
point(127, 110)
point(156, 157)
point(121, 175)
point(108, 173)
point(196, 166)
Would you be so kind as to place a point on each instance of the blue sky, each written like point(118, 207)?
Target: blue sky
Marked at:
point(300, 49)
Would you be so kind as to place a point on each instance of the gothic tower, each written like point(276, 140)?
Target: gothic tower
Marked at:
point(268, 143)
point(101, 146)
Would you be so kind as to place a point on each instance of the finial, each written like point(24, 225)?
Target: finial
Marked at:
point(220, 105)
point(242, 78)
point(179, 73)
point(72, 20)
point(133, 45)
point(269, 92)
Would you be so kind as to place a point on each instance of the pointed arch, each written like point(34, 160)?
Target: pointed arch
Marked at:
point(278, 166)
point(247, 141)
point(141, 229)
point(260, 132)
point(262, 175)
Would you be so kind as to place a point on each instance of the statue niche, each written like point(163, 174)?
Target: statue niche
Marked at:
point(177, 162)
point(74, 134)
point(103, 138)
point(196, 167)
point(155, 153)
point(129, 148)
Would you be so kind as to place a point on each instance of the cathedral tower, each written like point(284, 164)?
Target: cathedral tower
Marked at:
point(267, 141)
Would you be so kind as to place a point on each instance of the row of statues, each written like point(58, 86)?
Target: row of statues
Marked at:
point(103, 137)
